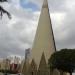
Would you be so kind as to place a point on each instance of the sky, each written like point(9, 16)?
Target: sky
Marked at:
point(17, 34)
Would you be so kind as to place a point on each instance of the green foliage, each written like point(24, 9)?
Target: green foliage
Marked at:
point(63, 60)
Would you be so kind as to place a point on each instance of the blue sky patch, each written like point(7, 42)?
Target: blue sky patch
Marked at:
point(30, 5)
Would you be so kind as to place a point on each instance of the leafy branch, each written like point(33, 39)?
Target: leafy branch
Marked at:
point(3, 11)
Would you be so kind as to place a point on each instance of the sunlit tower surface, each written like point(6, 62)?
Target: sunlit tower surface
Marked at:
point(43, 46)
point(44, 39)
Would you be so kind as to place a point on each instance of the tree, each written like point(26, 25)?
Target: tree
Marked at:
point(63, 60)
point(3, 1)
point(2, 10)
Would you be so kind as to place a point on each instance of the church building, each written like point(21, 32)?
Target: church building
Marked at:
point(43, 46)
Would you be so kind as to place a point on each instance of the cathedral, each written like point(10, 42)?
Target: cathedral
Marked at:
point(43, 46)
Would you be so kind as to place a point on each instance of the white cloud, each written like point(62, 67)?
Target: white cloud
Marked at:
point(70, 4)
point(57, 19)
point(18, 33)
point(57, 24)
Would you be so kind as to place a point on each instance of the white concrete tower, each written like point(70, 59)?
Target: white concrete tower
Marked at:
point(44, 39)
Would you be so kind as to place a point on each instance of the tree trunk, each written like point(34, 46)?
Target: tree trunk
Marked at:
point(70, 73)
point(51, 71)
point(61, 72)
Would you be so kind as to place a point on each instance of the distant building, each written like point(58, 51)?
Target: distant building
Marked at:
point(1, 64)
point(13, 67)
point(5, 64)
point(16, 60)
point(26, 60)
point(27, 54)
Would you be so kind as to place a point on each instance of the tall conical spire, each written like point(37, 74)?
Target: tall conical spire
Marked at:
point(44, 40)
point(45, 4)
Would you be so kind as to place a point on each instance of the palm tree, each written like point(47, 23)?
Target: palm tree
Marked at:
point(3, 11)
point(3, 1)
